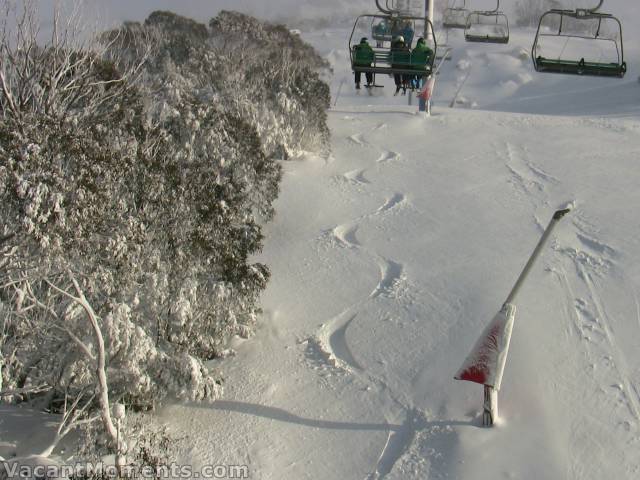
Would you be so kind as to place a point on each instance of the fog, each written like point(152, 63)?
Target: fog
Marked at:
point(110, 12)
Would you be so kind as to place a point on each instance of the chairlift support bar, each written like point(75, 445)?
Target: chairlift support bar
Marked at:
point(384, 10)
point(594, 9)
point(495, 10)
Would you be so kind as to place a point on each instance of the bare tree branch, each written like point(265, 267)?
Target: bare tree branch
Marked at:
point(70, 420)
point(25, 391)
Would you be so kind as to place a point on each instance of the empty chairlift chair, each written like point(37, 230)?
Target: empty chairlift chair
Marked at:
point(581, 42)
point(455, 15)
point(491, 26)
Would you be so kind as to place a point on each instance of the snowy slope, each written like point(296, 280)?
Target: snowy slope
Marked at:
point(391, 255)
point(390, 258)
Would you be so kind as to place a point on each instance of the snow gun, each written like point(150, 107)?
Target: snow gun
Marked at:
point(485, 364)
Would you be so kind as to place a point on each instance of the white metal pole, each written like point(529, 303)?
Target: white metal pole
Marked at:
point(557, 216)
point(428, 13)
point(490, 407)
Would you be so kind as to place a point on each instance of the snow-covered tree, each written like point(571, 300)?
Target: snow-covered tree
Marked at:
point(134, 180)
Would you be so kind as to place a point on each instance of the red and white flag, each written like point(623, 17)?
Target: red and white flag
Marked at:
point(485, 364)
point(427, 89)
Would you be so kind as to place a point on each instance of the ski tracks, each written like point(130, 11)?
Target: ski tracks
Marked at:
point(587, 271)
point(396, 200)
point(358, 177)
point(388, 156)
point(527, 179)
point(595, 266)
point(391, 273)
point(328, 350)
point(358, 139)
point(392, 278)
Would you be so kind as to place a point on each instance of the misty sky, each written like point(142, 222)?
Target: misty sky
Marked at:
point(103, 13)
point(110, 11)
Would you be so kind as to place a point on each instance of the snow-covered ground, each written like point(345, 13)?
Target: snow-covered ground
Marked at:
point(391, 255)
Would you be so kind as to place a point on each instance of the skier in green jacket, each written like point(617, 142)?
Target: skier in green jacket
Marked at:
point(363, 56)
point(420, 57)
point(400, 54)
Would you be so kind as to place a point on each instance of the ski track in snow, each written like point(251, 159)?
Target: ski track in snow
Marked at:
point(346, 235)
point(415, 444)
point(397, 444)
point(605, 361)
point(356, 177)
point(610, 384)
point(388, 156)
point(328, 349)
point(527, 180)
point(340, 346)
point(593, 321)
point(358, 139)
point(396, 200)
point(596, 245)
point(593, 261)
point(390, 273)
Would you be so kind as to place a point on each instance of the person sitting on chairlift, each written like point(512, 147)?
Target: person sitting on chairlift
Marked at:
point(420, 56)
point(407, 33)
point(363, 58)
point(379, 31)
point(399, 50)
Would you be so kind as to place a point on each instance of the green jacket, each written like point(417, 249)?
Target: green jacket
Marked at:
point(399, 54)
point(420, 56)
point(363, 54)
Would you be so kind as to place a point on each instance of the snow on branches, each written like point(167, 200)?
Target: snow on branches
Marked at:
point(134, 179)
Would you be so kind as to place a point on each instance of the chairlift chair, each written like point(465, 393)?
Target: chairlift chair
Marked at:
point(381, 30)
point(490, 26)
point(580, 42)
point(393, 24)
point(383, 60)
point(455, 16)
point(385, 27)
